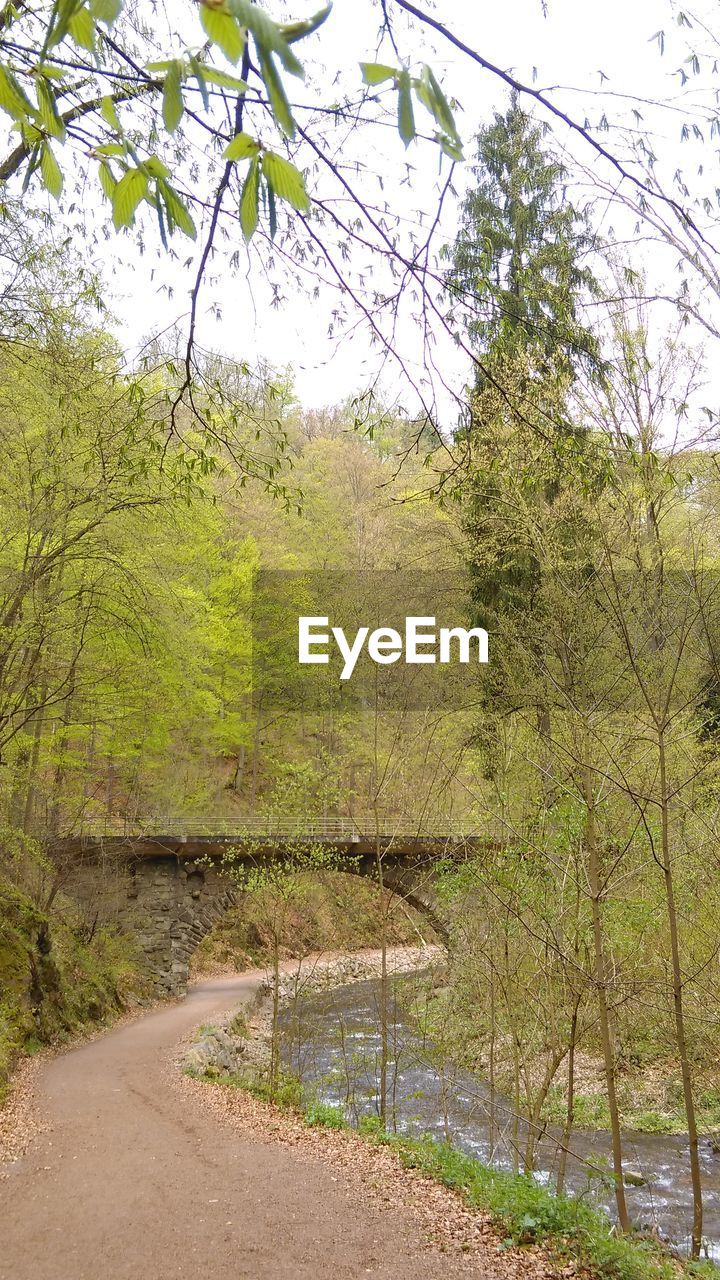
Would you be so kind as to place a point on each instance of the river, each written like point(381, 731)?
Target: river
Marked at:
point(332, 1041)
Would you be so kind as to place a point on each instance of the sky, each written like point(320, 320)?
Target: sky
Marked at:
point(571, 47)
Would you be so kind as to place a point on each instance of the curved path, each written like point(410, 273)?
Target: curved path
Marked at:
point(133, 1182)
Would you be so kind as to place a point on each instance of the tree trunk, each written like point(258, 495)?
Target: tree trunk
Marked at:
point(680, 1035)
point(255, 764)
point(600, 970)
point(570, 1112)
point(516, 1107)
point(274, 1042)
point(492, 1062)
point(239, 769)
point(384, 989)
point(29, 810)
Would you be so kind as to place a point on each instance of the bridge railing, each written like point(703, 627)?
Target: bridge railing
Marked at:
point(283, 827)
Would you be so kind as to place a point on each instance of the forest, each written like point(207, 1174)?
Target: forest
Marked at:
point(570, 500)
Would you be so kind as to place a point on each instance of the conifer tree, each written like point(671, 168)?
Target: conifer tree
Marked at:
point(519, 266)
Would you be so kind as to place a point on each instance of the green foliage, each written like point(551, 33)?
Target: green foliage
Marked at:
point(55, 982)
point(286, 1092)
point(524, 1211)
point(668, 1116)
point(286, 181)
point(518, 274)
point(238, 1026)
point(241, 147)
point(125, 593)
point(127, 194)
point(224, 31)
point(528, 1212)
point(323, 1115)
point(428, 92)
point(330, 912)
point(173, 107)
point(72, 61)
point(590, 1110)
point(250, 200)
point(371, 1126)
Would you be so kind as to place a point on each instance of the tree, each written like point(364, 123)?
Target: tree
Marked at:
point(518, 275)
point(518, 272)
point(195, 122)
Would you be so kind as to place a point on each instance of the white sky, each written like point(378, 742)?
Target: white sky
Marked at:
point(577, 40)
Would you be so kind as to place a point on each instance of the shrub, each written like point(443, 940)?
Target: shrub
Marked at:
point(325, 1116)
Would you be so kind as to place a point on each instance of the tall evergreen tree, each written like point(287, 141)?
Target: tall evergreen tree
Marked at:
point(518, 275)
point(518, 267)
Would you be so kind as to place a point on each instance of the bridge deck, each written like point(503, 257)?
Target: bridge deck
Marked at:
point(263, 837)
point(301, 828)
point(187, 845)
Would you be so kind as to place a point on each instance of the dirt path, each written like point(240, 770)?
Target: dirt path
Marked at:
point(136, 1180)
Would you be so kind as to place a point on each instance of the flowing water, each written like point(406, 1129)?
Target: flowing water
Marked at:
point(332, 1041)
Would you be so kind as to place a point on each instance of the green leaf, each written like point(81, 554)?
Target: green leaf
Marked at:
point(82, 29)
point(130, 190)
point(240, 147)
point(225, 80)
point(155, 167)
point(450, 147)
point(110, 149)
point(64, 10)
point(107, 11)
point(178, 214)
point(249, 214)
point(223, 30)
point(272, 212)
point(292, 31)
point(377, 72)
point(50, 73)
point(276, 93)
point(50, 171)
point(109, 113)
point(406, 116)
point(107, 181)
point(159, 209)
point(13, 99)
point(439, 104)
point(266, 33)
point(172, 105)
point(48, 109)
point(286, 181)
point(198, 71)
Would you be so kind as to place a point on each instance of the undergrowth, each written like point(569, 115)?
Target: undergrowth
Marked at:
point(338, 912)
point(524, 1212)
point(56, 976)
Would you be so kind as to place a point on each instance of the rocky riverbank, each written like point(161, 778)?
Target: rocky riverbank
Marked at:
point(240, 1041)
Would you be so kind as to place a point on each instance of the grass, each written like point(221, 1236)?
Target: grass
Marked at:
point(287, 1095)
point(591, 1112)
point(239, 1025)
point(524, 1212)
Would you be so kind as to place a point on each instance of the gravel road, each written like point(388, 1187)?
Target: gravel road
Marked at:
point(133, 1179)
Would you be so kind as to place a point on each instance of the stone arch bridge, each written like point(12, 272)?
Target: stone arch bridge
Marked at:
point(165, 884)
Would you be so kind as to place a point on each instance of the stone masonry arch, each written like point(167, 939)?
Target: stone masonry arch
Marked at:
point(169, 893)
